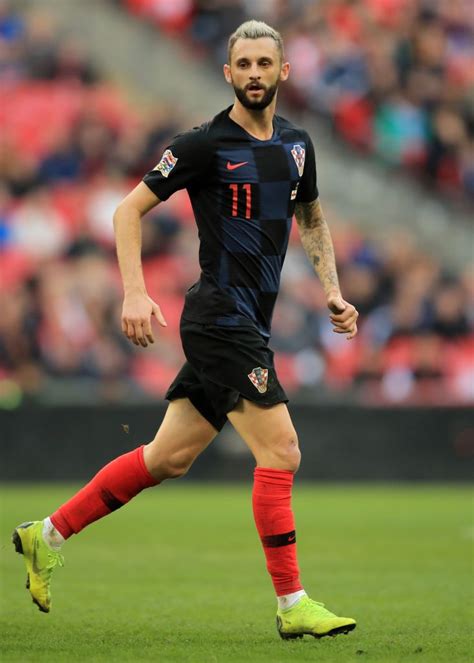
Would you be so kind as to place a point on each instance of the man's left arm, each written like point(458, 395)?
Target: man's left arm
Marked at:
point(317, 243)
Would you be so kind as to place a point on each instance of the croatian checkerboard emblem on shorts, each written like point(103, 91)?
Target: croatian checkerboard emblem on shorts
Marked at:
point(299, 153)
point(259, 378)
point(167, 163)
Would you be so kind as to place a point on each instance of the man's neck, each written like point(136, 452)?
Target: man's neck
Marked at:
point(257, 123)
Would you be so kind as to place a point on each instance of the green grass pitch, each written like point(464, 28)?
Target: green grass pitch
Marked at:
point(179, 575)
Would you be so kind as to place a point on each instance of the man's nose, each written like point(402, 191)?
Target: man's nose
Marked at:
point(254, 72)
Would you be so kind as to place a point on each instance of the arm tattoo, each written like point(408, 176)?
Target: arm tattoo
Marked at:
point(317, 243)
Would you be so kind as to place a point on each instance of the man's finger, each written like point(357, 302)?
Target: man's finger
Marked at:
point(148, 331)
point(131, 333)
point(139, 334)
point(353, 333)
point(347, 315)
point(342, 316)
point(345, 324)
point(348, 312)
point(159, 316)
point(337, 305)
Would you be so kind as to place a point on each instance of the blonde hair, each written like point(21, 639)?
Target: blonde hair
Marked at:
point(255, 30)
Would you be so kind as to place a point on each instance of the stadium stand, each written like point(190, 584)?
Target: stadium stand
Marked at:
point(394, 77)
point(71, 147)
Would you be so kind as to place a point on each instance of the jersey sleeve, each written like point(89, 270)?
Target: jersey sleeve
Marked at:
point(182, 164)
point(308, 188)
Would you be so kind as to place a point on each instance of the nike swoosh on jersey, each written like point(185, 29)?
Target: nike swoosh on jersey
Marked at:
point(233, 166)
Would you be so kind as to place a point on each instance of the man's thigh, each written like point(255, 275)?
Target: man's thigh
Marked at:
point(183, 431)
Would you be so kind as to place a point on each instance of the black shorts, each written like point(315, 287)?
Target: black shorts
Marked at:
point(224, 364)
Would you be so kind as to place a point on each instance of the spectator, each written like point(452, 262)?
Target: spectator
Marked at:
point(393, 75)
point(387, 69)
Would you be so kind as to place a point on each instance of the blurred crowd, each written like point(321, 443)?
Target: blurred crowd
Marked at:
point(70, 149)
point(395, 77)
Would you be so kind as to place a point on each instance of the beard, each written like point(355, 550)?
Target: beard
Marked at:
point(266, 100)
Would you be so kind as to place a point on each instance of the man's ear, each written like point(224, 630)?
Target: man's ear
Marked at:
point(285, 71)
point(227, 74)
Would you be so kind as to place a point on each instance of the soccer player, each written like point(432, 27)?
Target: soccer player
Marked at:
point(247, 172)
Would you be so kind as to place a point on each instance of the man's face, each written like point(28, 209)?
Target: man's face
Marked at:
point(255, 71)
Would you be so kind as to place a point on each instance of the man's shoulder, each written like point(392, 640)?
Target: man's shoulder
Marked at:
point(290, 130)
point(203, 134)
point(191, 137)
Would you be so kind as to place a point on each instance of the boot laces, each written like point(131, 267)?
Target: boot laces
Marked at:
point(309, 606)
point(54, 559)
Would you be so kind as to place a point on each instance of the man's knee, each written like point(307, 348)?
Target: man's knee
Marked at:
point(177, 464)
point(170, 466)
point(284, 452)
point(290, 454)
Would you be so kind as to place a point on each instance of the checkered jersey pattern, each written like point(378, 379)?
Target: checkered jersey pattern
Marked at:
point(243, 192)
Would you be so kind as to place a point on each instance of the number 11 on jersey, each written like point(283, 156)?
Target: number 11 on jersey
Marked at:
point(247, 190)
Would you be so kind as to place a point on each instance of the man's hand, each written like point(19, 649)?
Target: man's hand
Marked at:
point(343, 316)
point(137, 310)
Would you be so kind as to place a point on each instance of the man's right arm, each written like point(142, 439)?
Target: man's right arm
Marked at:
point(138, 307)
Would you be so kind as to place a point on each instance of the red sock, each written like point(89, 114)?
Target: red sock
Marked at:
point(112, 487)
point(276, 526)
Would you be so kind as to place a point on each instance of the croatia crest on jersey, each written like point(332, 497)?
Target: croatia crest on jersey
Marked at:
point(167, 163)
point(259, 378)
point(298, 154)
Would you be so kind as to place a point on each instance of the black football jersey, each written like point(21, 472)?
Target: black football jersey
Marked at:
point(243, 193)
